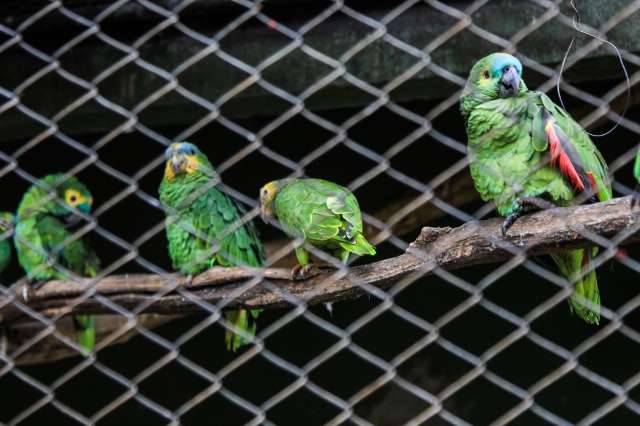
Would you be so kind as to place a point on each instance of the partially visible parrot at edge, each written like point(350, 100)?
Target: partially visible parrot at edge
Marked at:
point(6, 244)
point(323, 213)
point(526, 153)
point(44, 244)
point(635, 197)
point(204, 227)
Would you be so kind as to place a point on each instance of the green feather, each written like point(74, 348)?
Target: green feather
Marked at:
point(7, 221)
point(41, 237)
point(85, 332)
point(325, 214)
point(203, 230)
point(508, 155)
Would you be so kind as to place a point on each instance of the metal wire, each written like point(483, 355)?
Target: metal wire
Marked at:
point(374, 28)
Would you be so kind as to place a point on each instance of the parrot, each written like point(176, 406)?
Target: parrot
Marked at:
point(204, 227)
point(527, 153)
point(635, 197)
point(44, 241)
point(6, 224)
point(323, 213)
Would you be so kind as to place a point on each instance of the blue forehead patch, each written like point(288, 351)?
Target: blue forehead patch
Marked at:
point(184, 148)
point(501, 60)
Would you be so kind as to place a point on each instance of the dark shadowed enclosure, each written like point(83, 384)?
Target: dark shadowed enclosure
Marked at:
point(362, 93)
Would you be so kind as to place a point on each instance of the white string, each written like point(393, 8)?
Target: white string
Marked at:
point(577, 19)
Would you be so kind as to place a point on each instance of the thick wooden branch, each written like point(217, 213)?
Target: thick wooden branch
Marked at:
point(473, 243)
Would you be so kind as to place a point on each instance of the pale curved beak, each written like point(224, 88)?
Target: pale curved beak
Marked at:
point(177, 163)
point(510, 83)
point(264, 213)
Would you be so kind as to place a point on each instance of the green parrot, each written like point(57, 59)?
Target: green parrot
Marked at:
point(325, 214)
point(6, 224)
point(525, 153)
point(45, 243)
point(204, 227)
point(635, 197)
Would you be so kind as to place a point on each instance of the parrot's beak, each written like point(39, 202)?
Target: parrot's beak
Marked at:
point(177, 163)
point(264, 213)
point(510, 83)
point(72, 220)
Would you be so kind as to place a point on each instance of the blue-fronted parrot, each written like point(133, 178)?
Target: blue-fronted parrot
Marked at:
point(525, 152)
point(204, 227)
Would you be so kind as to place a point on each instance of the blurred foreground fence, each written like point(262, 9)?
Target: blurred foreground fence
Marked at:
point(450, 324)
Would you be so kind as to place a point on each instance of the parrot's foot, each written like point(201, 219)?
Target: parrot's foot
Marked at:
point(189, 280)
point(509, 221)
point(635, 197)
point(535, 203)
point(301, 273)
point(525, 205)
point(329, 307)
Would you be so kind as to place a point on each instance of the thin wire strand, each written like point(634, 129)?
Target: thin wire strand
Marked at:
point(576, 20)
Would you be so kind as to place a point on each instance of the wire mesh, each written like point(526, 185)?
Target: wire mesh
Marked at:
point(358, 93)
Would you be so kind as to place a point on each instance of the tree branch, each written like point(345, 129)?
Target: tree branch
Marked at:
point(473, 243)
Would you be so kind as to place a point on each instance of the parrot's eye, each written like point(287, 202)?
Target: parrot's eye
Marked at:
point(486, 75)
point(72, 197)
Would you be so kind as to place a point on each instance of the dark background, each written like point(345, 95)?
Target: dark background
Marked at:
point(432, 368)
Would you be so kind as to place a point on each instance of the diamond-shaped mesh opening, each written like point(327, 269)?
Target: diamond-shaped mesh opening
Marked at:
point(465, 402)
point(580, 396)
point(452, 322)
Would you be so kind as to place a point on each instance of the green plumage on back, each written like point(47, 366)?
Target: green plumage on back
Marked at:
point(523, 146)
point(6, 243)
point(325, 214)
point(635, 197)
point(44, 240)
point(204, 226)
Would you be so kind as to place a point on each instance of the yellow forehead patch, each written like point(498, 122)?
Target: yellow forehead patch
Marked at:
point(270, 186)
point(191, 165)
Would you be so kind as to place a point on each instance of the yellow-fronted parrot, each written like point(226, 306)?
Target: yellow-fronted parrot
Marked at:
point(45, 243)
point(324, 214)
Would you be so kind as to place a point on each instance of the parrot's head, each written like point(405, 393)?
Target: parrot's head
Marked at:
point(498, 75)
point(58, 195)
point(76, 196)
point(267, 196)
point(184, 159)
point(7, 220)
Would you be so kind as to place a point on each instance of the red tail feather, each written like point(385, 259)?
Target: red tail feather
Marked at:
point(559, 157)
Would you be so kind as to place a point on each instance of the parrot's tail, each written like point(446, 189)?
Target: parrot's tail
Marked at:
point(585, 299)
point(361, 246)
point(85, 326)
point(243, 320)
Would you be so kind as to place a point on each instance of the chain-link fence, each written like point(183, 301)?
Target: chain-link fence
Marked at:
point(462, 327)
